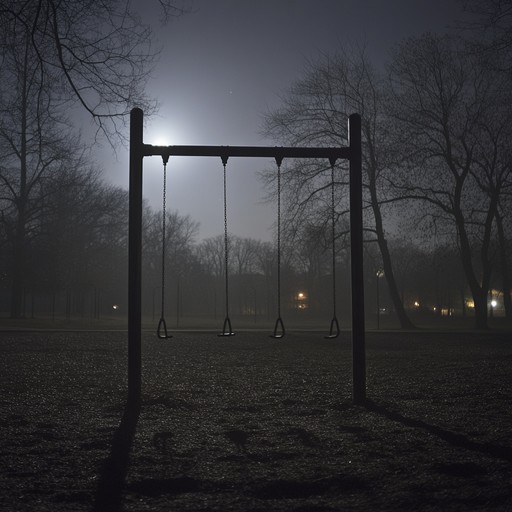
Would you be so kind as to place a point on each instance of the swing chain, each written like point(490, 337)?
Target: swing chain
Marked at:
point(334, 330)
point(278, 236)
point(226, 329)
point(279, 330)
point(162, 326)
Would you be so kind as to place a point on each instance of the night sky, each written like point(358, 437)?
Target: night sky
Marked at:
point(226, 63)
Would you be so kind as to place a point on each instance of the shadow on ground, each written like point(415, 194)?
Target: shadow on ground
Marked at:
point(112, 478)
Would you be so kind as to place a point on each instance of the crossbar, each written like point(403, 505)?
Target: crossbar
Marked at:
point(139, 150)
point(248, 151)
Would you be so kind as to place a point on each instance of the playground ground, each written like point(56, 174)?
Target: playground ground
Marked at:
point(249, 423)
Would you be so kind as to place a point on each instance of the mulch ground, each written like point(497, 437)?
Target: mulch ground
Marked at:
point(249, 423)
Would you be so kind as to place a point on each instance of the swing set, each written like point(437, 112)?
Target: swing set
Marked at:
point(139, 150)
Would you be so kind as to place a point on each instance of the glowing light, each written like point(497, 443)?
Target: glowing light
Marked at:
point(115, 307)
point(416, 304)
point(494, 303)
point(161, 141)
point(301, 299)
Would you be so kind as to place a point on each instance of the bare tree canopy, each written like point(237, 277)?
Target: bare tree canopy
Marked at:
point(55, 54)
point(490, 26)
point(454, 113)
point(99, 52)
point(315, 111)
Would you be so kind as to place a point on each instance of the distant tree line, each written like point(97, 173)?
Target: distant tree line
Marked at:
point(76, 267)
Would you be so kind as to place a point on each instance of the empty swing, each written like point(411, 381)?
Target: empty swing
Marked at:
point(162, 325)
point(334, 330)
point(227, 330)
point(279, 330)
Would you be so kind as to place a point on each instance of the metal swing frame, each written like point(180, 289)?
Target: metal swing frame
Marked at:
point(139, 150)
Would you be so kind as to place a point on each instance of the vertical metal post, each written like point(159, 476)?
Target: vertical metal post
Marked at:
point(356, 242)
point(135, 256)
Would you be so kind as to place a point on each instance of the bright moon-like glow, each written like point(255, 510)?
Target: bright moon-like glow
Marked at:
point(161, 141)
point(160, 134)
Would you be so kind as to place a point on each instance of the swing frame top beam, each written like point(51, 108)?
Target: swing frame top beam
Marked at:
point(332, 154)
point(139, 150)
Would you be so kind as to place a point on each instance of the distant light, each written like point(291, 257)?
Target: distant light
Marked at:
point(115, 307)
point(494, 303)
point(301, 300)
point(416, 304)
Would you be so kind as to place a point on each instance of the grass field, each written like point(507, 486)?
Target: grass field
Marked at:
point(249, 423)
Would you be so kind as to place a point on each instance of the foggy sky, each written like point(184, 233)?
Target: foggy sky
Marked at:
point(223, 65)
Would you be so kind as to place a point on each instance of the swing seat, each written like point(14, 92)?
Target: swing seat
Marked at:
point(161, 331)
point(279, 330)
point(227, 330)
point(334, 331)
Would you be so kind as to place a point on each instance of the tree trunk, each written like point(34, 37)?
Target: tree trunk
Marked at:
point(478, 292)
point(404, 320)
point(505, 276)
point(18, 270)
point(19, 251)
point(481, 314)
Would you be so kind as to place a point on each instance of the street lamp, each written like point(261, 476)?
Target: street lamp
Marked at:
point(493, 305)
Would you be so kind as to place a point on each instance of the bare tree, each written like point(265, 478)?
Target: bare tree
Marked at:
point(489, 27)
point(53, 55)
point(33, 146)
point(504, 248)
point(83, 231)
point(211, 255)
point(180, 234)
point(99, 52)
point(315, 112)
point(244, 253)
point(445, 102)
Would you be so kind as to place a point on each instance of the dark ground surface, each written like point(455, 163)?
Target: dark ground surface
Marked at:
point(249, 423)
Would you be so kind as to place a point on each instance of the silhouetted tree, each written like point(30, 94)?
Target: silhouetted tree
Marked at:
point(446, 102)
point(55, 55)
point(99, 52)
point(33, 145)
point(315, 112)
point(83, 236)
point(503, 221)
point(489, 28)
point(211, 255)
point(179, 252)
